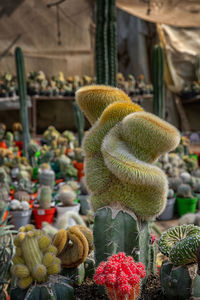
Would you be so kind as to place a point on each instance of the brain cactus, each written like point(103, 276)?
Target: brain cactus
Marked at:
point(120, 149)
point(180, 244)
point(35, 257)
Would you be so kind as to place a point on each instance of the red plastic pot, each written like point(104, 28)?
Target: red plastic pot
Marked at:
point(19, 144)
point(43, 215)
point(3, 145)
point(79, 166)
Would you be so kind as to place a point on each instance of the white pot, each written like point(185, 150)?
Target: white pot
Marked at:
point(63, 209)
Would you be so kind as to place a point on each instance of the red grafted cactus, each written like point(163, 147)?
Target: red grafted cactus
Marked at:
point(122, 276)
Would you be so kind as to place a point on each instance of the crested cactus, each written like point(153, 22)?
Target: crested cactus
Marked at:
point(158, 81)
point(179, 277)
point(79, 121)
point(45, 196)
point(21, 78)
point(73, 245)
point(120, 149)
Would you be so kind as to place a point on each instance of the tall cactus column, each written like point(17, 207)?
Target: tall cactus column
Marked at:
point(106, 43)
point(158, 81)
point(21, 78)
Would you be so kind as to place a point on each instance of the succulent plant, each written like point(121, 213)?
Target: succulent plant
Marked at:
point(170, 194)
point(47, 177)
point(22, 196)
point(35, 257)
point(184, 191)
point(19, 205)
point(66, 195)
point(179, 277)
point(73, 245)
point(9, 139)
point(45, 196)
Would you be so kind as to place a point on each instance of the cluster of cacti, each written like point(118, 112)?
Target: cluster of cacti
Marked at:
point(22, 89)
point(45, 196)
point(19, 205)
point(106, 53)
point(126, 189)
point(179, 277)
point(158, 81)
point(35, 257)
point(73, 245)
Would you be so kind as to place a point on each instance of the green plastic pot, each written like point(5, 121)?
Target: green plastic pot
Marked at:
point(186, 205)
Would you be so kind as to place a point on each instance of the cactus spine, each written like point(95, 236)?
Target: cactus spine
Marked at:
point(106, 56)
point(79, 121)
point(158, 81)
point(21, 78)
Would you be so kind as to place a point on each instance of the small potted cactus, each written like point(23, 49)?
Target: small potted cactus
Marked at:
point(186, 202)
point(168, 212)
point(46, 175)
point(196, 190)
point(179, 274)
point(20, 212)
point(67, 197)
point(44, 213)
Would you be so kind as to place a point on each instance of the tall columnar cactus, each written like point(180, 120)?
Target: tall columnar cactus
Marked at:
point(158, 81)
point(179, 276)
point(197, 67)
point(126, 189)
point(21, 78)
point(79, 121)
point(45, 195)
point(106, 42)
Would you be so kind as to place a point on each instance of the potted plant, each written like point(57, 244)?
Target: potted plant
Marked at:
point(168, 212)
point(44, 212)
point(67, 197)
point(186, 202)
point(179, 274)
point(20, 213)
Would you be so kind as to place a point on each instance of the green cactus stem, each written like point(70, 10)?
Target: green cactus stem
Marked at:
point(158, 81)
point(21, 78)
point(197, 67)
point(57, 287)
point(79, 121)
point(45, 196)
point(47, 177)
point(106, 53)
point(180, 282)
point(118, 230)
